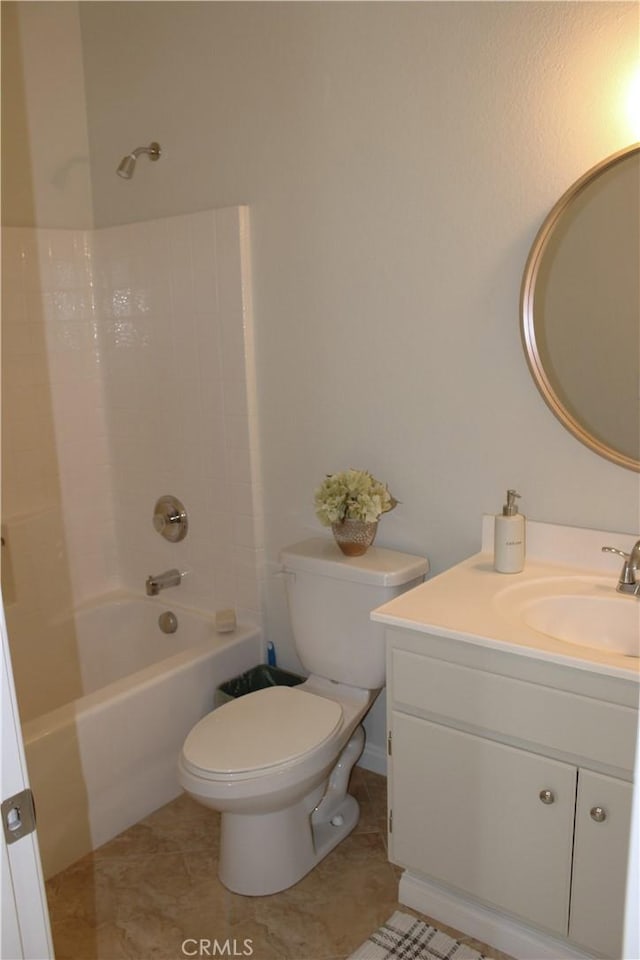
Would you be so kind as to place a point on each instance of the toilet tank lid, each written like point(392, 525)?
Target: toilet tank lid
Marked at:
point(378, 566)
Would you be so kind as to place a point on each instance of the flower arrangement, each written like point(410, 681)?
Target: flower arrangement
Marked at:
point(352, 495)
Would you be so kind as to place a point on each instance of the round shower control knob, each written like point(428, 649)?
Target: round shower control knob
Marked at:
point(170, 519)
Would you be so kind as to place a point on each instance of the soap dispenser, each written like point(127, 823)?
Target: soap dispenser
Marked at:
point(509, 537)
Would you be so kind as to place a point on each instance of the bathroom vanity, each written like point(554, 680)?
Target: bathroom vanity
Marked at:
point(511, 751)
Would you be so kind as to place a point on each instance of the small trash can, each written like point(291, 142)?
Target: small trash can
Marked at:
point(257, 678)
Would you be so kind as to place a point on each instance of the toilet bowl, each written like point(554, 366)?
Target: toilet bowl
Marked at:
point(276, 762)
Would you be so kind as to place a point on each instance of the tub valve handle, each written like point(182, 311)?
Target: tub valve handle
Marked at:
point(170, 519)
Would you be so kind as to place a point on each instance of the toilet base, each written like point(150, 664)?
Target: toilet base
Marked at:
point(261, 854)
point(273, 852)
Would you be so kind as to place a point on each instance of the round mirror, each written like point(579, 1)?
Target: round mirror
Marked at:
point(580, 309)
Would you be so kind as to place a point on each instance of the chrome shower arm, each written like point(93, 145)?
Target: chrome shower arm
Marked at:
point(153, 151)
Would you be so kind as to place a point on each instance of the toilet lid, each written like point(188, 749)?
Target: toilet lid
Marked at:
point(260, 730)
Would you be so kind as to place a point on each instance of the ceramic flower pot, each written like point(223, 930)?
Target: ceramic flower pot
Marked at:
point(354, 537)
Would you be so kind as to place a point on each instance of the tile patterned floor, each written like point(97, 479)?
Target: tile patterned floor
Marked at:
point(146, 892)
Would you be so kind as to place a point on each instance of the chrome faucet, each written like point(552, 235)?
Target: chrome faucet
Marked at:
point(629, 580)
point(170, 578)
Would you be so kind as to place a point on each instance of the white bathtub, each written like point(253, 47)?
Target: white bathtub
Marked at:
point(101, 763)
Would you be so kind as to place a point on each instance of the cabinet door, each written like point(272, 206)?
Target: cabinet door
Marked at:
point(603, 818)
point(468, 812)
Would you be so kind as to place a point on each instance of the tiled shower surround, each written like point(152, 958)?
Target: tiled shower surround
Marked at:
point(127, 374)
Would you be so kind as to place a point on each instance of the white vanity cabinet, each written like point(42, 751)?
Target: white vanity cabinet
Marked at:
point(510, 788)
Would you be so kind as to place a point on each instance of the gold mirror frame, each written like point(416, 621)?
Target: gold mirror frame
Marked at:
point(528, 330)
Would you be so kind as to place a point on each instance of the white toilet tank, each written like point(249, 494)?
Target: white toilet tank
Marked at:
point(330, 598)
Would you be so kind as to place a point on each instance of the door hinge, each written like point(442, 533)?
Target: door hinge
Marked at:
point(389, 739)
point(18, 816)
point(390, 821)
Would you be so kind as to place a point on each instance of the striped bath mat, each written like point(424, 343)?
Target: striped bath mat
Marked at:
point(405, 938)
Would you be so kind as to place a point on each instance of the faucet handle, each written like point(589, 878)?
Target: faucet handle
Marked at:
point(627, 574)
point(621, 553)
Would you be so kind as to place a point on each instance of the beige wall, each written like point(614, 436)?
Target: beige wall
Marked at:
point(45, 152)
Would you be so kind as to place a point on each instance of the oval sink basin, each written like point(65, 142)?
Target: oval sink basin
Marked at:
point(608, 623)
point(583, 610)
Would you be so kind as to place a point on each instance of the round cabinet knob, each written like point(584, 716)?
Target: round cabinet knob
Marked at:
point(170, 519)
point(598, 814)
point(547, 796)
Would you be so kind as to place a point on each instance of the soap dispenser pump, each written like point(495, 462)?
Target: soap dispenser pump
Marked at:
point(509, 537)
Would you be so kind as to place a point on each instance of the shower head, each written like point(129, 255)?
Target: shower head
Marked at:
point(128, 164)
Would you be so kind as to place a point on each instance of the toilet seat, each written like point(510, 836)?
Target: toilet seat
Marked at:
point(256, 733)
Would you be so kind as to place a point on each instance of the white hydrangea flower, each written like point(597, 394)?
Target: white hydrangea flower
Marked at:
point(352, 495)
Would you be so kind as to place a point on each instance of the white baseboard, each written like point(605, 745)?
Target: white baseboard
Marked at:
point(374, 758)
point(499, 931)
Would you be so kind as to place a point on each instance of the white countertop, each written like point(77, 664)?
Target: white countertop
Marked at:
point(470, 602)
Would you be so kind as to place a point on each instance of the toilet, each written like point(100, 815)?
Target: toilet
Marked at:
point(276, 762)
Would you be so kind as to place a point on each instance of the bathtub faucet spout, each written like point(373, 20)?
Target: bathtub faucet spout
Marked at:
point(170, 578)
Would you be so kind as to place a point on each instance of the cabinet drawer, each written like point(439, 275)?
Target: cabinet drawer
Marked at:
point(566, 722)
